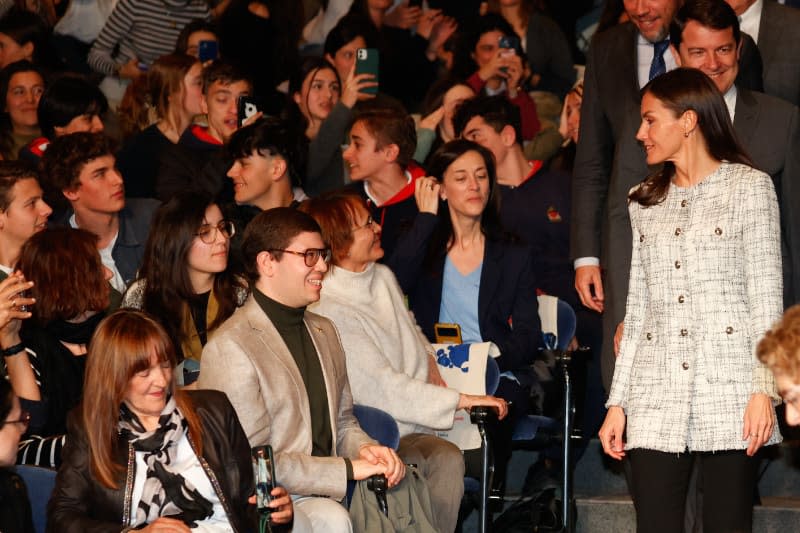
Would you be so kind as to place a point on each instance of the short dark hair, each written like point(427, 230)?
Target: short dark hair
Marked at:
point(348, 28)
point(25, 27)
point(273, 229)
point(714, 14)
point(390, 124)
point(268, 137)
point(68, 97)
point(10, 173)
point(497, 111)
point(66, 156)
point(224, 73)
point(463, 63)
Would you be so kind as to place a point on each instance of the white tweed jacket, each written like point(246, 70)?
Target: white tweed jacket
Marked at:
point(705, 285)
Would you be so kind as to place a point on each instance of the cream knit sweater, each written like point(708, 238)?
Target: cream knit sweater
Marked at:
point(387, 354)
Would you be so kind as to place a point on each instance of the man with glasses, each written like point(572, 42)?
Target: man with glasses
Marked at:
point(283, 369)
point(82, 166)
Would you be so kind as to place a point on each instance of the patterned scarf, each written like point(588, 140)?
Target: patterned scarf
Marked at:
point(166, 492)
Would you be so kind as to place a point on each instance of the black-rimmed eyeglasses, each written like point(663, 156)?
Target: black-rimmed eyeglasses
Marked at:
point(208, 232)
point(311, 256)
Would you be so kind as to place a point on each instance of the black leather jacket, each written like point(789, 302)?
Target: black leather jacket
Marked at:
point(80, 504)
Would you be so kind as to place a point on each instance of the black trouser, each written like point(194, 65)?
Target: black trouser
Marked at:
point(660, 481)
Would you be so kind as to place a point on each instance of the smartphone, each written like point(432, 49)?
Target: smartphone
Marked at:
point(367, 62)
point(207, 50)
point(509, 42)
point(246, 108)
point(447, 333)
point(264, 475)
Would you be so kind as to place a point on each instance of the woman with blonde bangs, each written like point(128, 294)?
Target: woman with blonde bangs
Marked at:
point(155, 111)
point(177, 459)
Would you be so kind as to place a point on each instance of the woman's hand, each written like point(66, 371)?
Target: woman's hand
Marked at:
point(513, 73)
point(611, 432)
point(385, 459)
point(281, 505)
point(130, 70)
point(759, 421)
point(432, 121)
point(468, 401)
point(426, 194)
point(403, 17)
point(354, 84)
point(166, 525)
point(495, 67)
point(618, 337)
point(11, 302)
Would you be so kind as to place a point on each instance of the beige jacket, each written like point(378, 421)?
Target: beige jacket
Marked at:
point(248, 360)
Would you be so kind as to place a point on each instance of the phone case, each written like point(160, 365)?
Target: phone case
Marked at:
point(367, 62)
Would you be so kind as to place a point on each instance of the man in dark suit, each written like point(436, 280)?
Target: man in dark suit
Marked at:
point(707, 36)
point(609, 161)
point(774, 28)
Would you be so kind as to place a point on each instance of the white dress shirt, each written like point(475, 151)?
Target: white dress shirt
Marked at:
point(750, 20)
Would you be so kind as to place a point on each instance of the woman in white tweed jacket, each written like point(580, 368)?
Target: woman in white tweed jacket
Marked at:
point(705, 285)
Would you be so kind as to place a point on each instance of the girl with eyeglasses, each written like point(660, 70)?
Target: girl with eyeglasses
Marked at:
point(15, 509)
point(185, 267)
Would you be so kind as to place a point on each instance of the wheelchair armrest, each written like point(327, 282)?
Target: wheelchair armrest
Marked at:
point(481, 415)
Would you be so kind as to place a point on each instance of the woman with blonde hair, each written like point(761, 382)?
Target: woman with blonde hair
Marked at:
point(155, 111)
point(143, 455)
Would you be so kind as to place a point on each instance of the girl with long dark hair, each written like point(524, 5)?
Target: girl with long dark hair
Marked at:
point(185, 268)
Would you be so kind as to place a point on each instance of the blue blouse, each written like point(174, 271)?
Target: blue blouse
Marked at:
point(460, 300)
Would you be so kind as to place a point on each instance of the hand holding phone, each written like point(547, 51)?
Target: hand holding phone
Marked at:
point(246, 108)
point(207, 51)
point(367, 62)
point(264, 475)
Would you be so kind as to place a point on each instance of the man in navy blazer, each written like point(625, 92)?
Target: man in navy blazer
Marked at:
point(707, 36)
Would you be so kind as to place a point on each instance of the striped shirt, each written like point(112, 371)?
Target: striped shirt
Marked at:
point(144, 29)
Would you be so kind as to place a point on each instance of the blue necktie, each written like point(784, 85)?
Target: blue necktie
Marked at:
point(658, 67)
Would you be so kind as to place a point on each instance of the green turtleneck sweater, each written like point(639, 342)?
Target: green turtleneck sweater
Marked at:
point(289, 323)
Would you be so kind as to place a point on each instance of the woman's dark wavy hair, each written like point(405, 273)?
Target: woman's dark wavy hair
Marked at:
point(442, 238)
point(687, 89)
point(165, 265)
point(6, 128)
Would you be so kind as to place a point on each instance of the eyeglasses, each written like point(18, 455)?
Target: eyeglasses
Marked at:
point(24, 419)
point(368, 224)
point(311, 256)
point(208, 232)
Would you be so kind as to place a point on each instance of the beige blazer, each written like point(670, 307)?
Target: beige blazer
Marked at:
point(248, 360)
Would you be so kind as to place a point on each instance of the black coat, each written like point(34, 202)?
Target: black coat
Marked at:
point(80, 504)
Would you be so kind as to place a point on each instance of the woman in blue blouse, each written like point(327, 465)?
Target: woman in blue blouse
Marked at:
point(458, 265)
